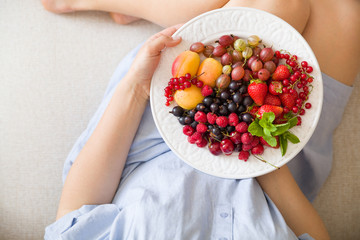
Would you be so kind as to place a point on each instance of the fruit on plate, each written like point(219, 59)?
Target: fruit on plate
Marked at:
point(189, 97)
point(243, 97)
point(210, 69)
point(187, 62)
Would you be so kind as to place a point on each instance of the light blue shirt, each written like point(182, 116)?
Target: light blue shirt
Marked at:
point(161, 197)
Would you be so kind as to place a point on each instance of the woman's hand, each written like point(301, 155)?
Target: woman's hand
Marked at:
point(148, 58)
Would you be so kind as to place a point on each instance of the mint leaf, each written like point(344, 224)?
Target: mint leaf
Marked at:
point(268, 117)
point(270, 140)
point(281, 128)
point(283, 144)
point(267, 132)
point(293, 122)
point(292, 138)
point(255, 129)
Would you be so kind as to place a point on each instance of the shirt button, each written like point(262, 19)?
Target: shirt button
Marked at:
point(224, 215)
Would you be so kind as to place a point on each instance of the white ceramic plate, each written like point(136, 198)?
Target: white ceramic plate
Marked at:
point(207, 28)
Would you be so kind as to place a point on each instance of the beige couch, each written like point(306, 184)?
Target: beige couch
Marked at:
point(54, 70)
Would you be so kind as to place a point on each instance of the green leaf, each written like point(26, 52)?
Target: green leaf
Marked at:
point(293, 122)
point(283, 144)
point(292, 138)
point(267, 132)
point(270, 140)
point(268, 117)
point(281, 128)
point(255, 129)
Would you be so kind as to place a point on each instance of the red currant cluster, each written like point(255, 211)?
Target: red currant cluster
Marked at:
point(301, 79)
point(180, 83)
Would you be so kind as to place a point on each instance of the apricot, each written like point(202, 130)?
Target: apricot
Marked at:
point(186, 62)
point(189, 97)
point(210, 69)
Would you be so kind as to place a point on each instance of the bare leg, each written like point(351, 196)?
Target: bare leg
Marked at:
point(162, 12)
point(333, 32)
point(295, 12)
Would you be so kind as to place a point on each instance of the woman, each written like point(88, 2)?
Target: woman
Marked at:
point(189, 205)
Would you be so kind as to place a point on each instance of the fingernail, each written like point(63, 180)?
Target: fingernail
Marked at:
point(176, 38)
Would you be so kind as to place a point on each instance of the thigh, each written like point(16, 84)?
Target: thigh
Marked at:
point(294, 12)
point(162, 12)
point(333, 32)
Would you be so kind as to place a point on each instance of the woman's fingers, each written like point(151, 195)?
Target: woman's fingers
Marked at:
point(163, 39)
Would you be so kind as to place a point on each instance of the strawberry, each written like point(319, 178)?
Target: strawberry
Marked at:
point(281, 73)
point(270, 108)
point(288, 99)
point(272, 100)
point(253, 111)
point(275, 87)
point(257, 91)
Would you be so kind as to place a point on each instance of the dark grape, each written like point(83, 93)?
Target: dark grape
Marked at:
point(201, 107)
point(225, 95)
point(208, 101)
point(241, 109)
point(194, 124)
point(246, 117)
point(188, 120)
point(214, 107)
point(234, 85)
point(237, 98)
point(182, 120)
point(247, 101)
point(232, 107)
point(216, 131)
point(192, 113)
point(230, 129)
point(243, 89)
point(223, 110)
point(177, 111)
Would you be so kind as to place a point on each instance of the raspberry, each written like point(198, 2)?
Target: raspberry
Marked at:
point(246, 147)
point(247, 138)
point(200, 117)
point(197, 137)
point(191, 140)
point(202, 143)
point(222, 121)
point(206, 91)
point(244, 155)
point(201, 128)
point(211, 118)
point(242, 127)
point(188, 130)
point(255, 141)
point(257, 150)
point(233, 119)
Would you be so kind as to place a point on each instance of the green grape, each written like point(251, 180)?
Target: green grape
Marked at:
point(253, 40)
point(240, 44)
point(247, 53)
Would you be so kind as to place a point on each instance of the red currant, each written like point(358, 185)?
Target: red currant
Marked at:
point(304, 64)
point(309, 69)
point(307, 105)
